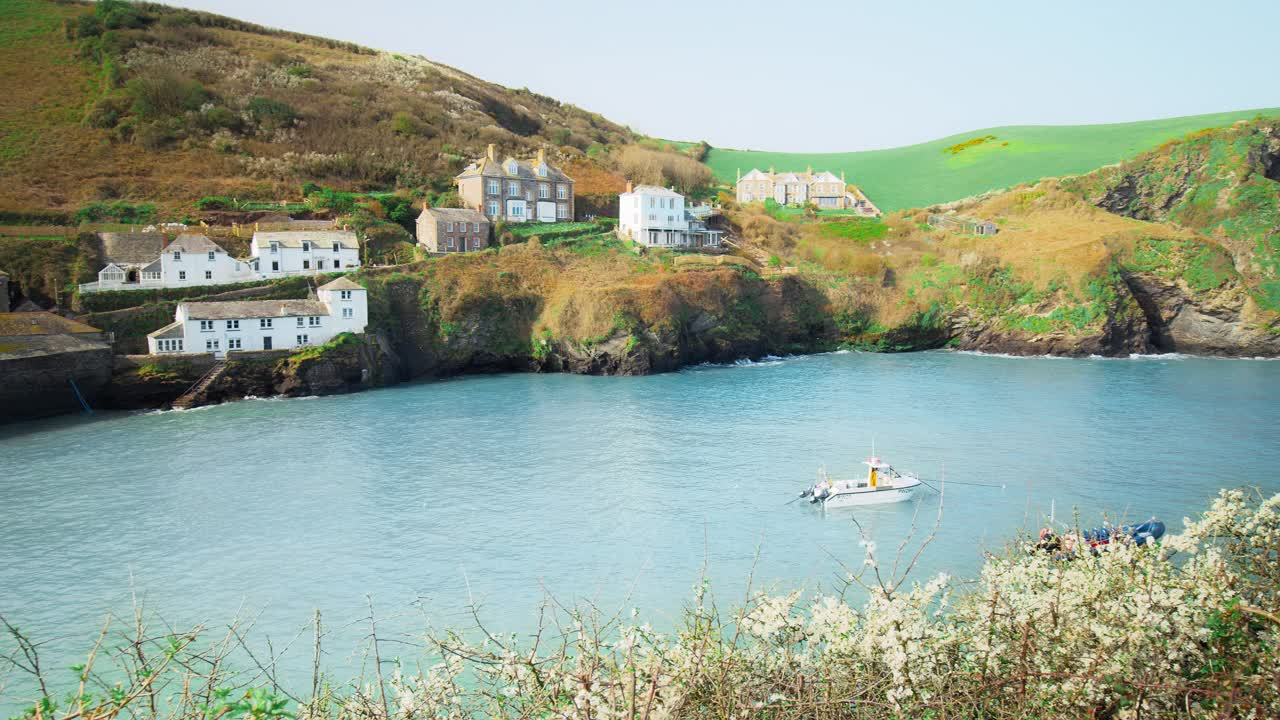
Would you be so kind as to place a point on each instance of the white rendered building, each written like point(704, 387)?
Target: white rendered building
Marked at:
point(189, 261)
point(657, 217)
point(278, 254)
point(219, 327)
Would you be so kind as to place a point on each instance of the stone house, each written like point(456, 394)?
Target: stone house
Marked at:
point(446, 230)
point(517, 190)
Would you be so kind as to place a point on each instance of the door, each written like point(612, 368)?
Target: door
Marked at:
point(266, 343)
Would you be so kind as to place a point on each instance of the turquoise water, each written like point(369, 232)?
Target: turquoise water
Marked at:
point(613, 490)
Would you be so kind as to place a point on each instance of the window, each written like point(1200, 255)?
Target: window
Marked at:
point(210, 344)
point(448, 242)
point(275, 246)
point(516, 210)
point(306, 246)
point(182, 274)
point(275, 266)
point(264, 323)
point(513, 189)
point(313, 321)
point(177, 256)
point(493, 187)
point(233, 343)
point(544, 191)
point(319, 264)
point(512, 167)
point(562, 192)
point(492, 208)
point(301, 322)
point(233, 324)
point(448, 227)
point(562, 211)
point(475, 227)
point(303, 339)
point(211, 252)
point(206, 326)
point(335, 247)
point(306, 264)
point(542, 170)
point(347, 313)
point(337, 264)
point(344, 294)
point(208, 274)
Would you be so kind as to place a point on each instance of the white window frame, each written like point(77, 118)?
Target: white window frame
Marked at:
point(347, 313)
point(182, 274)
point(211, 345)
point(264, 323)
point(206, 326)
point(494, 207)
point(513, 188)
point(494, 187)
point(344, 294)
point(208, 274)
point(313, 321)
point(562, 191)
point(233, 343)
point(177, 256)
point(212, 255)
point(301, 321)
point(304, 339)
point(544, 191)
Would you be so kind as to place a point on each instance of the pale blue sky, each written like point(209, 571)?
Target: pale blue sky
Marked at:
point(831, 75)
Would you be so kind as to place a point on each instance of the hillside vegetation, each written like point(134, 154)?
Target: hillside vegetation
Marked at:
point(143, 102)
point(976, 162)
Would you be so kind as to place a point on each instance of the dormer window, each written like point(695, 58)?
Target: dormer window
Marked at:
point(211, 255)
point(275, 246)
point(177, 256)
point(512, 168)
point(335, 247)
point(306, 246)
point(542, 170)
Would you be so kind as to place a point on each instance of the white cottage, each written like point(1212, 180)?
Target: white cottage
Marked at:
point(219, 327)
point(188, 261)
point(277, 254)
point(657, 217)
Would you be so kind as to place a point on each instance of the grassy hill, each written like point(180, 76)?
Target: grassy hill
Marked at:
point(143, 102)
point(971, 163)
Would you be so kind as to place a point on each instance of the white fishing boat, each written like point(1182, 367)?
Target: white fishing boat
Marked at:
point(882, 485)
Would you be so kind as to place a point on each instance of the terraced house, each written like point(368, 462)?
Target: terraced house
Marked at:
point(143, 260)
point(822, 189)
point(517, 190)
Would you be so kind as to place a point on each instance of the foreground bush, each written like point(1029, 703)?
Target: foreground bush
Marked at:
point(1187, 629)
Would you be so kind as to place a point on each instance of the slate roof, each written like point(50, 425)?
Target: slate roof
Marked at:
point(453, 215)
point(791, 177)
point(172, 330)
point(130, 248)
point(525, 170)
point(654, 190)
point(192, 243)
point(341, 283)
point(41, 323)
point(295, 238)
point(240, 309)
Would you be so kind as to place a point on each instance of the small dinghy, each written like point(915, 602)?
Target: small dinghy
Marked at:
point(882, 485)
point(1098, 539)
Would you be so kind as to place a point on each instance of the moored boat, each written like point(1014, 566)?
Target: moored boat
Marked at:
point(882, 485)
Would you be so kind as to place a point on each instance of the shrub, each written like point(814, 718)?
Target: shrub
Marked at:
point(163, 95)
point(271, 114)
point(657, 167)
point(120, 211)
point(210, 202)
point(299, 71)
point(403, 123)
point(107, 112)
point(118, 14)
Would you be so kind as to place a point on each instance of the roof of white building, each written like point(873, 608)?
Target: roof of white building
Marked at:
point(130, 248)
point(241, 309)
point(341, 283)
point(653, 190)
point(172, 330)
point(295, 238)
point(193, 243)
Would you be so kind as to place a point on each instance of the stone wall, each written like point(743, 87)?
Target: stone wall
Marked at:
point(40, 385)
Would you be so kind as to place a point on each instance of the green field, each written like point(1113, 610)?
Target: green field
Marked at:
point(924, 174)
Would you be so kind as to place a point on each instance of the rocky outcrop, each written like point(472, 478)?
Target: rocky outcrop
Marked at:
point(1180, 319)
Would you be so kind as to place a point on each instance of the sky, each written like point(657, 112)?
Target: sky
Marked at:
point(830, 75)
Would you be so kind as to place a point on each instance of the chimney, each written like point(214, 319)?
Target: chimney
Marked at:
point(630, 187)
point(491, 153)
point(542, 156)
point(425, 204)
point(770, 169)
point(739, 174)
